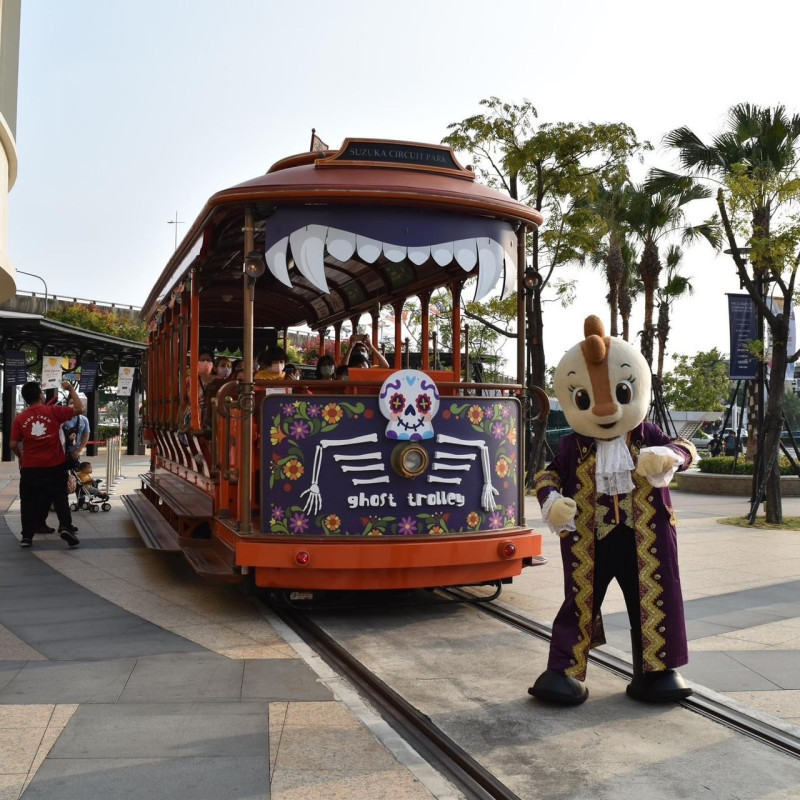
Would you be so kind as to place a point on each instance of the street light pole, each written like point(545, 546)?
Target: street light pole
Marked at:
point(175, 222)
point(21, 272)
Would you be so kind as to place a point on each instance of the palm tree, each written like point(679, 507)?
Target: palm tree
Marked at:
point(630, 286)
point(755, 160)
point(675, 286)
point(654, 216)
point(609, 206)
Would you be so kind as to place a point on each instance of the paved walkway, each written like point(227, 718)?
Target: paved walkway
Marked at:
point(119, 668)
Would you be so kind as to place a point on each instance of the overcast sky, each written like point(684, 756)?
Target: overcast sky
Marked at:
point(132, 111)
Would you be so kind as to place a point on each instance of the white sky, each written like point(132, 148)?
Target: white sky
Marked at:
point(131, 111)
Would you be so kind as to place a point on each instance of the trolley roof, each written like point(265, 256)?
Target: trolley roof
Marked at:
point(375, 221)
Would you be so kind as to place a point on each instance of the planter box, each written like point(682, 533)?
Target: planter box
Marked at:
point(739, 485)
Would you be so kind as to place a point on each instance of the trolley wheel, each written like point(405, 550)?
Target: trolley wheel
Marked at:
point(106, 506)
point(73, 506)
point(94, 509)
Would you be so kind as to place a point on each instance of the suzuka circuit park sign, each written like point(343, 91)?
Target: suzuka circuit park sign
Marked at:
point(743, 331)
point(406, 463)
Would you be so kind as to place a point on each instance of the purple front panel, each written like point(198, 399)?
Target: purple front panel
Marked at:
point(327, 470)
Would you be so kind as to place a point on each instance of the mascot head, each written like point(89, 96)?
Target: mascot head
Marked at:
point(603, 384)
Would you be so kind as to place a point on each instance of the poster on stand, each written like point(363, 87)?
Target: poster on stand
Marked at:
point(125, 381)
point(51, 372)
point(743, 331)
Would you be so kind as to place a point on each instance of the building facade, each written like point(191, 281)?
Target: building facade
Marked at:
point(9, 70)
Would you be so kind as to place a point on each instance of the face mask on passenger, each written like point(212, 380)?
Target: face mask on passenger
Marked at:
point(204, 367)
point(223, 372)
point(327, 370)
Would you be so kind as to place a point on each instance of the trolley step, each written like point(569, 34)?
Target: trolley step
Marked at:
point(183, 498)
point(211, 558)
point(156, 532)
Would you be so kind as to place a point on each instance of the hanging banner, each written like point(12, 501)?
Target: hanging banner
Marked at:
point(125, 381)
point(743, 331)
point(16, 373)
point(88, 376)
point(776, 306)
point(51, 372)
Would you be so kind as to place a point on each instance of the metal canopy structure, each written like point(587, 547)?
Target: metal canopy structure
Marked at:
point(38, 336)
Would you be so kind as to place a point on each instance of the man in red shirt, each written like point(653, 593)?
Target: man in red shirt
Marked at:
point(43, 468)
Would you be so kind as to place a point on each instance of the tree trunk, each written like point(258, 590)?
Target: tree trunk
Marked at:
point(536, 368)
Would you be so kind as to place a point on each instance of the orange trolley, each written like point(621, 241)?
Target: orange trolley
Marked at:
point(401, 477)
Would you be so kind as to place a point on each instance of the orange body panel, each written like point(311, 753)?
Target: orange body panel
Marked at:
point(387, 564)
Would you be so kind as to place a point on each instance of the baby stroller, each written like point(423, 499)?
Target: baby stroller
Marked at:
point(85, 500)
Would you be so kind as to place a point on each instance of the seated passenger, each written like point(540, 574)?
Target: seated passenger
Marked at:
point(363, 351)
point(342, 372)
point(291, 373)
point(326, 368)
point(270, 364)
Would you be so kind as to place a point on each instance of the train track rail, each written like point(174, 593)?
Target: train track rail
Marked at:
point(471, 778)
point(705, 703)
point(427, 739)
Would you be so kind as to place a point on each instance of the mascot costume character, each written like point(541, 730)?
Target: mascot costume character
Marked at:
point(606, 495)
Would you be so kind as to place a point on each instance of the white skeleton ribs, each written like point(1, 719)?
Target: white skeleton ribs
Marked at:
point(368, 468)
point(314, 500)
point(489, 492)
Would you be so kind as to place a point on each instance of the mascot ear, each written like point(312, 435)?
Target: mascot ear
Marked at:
point(593, 326)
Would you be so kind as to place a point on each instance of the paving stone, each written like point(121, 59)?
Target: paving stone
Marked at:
point(281, 679)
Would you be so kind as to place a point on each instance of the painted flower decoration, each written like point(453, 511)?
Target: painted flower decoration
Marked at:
point(424, 403)
point(496, 520)
point(502, 467)
point(499, 430)
point(407, 526)
point(332, 413)
point(276, 435)
point(298, 522)
point(293, 469)
point(475, 415)
point(473, 519)
point(332, 522)
point(512, 436)
point(278, 513)
point(299, 429)
point(397, 403)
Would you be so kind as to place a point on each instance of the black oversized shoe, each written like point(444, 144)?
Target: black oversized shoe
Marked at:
point(665, 686)
point(553, 686)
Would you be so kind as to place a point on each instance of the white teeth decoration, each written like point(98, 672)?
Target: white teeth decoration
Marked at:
point(466, 253)
point(308, 250)
point(419, 255)
point(308, 246)
point(341, 244)
point(442, 253)
point(394, 252)
point(490, 259)
point(368, 249)
point(276, 261)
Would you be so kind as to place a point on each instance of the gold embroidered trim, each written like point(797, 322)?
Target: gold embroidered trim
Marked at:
point(583, 574)
point(649, 589)
point(546, 478)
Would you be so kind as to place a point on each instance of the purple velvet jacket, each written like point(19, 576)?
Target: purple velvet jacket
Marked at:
point(578, 625)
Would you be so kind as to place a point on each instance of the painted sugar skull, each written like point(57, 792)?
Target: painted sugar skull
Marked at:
point(409, 399)
point(602, 384)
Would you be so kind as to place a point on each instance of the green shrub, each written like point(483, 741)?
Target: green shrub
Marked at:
point(721, 465)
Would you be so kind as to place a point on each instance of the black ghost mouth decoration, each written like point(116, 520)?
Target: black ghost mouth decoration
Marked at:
point(304, 235)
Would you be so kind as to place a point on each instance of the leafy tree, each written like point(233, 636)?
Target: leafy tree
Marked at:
point(91, 318)
point(755, 162)
point(698, 383)
point(552, 167)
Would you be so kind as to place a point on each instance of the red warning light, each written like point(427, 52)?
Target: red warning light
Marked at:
point(507, 550)
point(302, 558)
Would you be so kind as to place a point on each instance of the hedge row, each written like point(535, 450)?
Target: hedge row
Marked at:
point(721, 465)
